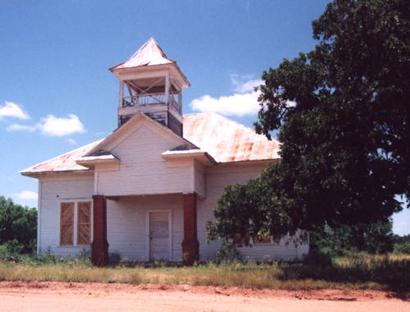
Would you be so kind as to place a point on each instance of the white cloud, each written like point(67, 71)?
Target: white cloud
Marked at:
point(53, 126)
point(243, 102)
point(233, 105)
point(248, 86)
point(60, 126)
point(12, 110)
point(19, 127)
point(27, 195)
point(244, 84)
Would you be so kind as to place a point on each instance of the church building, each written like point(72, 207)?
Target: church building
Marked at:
point(147, 190)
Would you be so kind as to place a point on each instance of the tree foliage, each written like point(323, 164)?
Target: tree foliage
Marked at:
point(372, 238)
point(402, 244)
point(343, 114)
point(18, 225)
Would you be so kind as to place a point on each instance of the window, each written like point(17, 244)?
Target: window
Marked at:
point(67, 224)
point(75, 223)
point(245, 240)
point(84, 223)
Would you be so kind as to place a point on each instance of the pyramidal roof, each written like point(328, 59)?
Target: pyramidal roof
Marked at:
point(150, 53)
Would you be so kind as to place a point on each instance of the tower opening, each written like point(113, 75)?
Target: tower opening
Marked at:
point(152, 84)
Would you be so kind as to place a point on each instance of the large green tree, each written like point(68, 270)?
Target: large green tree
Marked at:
point(18, 224)
point(342, 112)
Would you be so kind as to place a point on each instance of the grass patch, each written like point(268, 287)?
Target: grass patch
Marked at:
point(361, 271)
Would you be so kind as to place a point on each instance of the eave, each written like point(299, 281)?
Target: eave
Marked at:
point(197, 154)
point(91, 161)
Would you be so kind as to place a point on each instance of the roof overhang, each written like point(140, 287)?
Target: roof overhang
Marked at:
point(197, 154)
point(91, 161)
point(147, 71)
point(39, 174)
point(250, 162)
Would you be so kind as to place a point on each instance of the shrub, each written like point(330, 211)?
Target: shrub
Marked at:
point(402, 248)
point(18, 226)
point(228, 253)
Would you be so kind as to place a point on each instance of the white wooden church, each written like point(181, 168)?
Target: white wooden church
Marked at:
point(147, 190)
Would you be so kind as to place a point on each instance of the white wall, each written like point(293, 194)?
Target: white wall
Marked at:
point(199, 178)
point(127, 225)
point(217, 178)
point(127, 217)
point(53, 190)
point(142, 170)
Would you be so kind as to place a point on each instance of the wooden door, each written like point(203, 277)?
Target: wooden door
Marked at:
point(159, 235)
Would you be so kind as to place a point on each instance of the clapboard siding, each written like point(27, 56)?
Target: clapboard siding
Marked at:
point(127, 225)
point(53, 190)
point(286, 249)
point(142, 170)
point(217, 178)
point(199, 179)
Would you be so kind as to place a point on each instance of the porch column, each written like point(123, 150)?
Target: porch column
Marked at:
point(99, 246)
point(190, 244)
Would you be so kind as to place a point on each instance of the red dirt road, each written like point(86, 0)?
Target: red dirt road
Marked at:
point(61, 297)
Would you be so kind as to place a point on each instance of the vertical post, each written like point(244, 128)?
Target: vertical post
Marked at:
point(39, 210)
point(190, 244)
point(99, 246)
point(180, 102)
point(120, 103)
point(167, 87)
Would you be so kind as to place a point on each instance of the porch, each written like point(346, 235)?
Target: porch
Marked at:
point(145, 228)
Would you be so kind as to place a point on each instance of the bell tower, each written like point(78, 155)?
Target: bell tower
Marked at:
point(151, 83)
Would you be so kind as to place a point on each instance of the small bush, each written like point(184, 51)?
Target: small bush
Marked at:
point(114, 258)
point(402, 248)
point(228, 253)
point(12, 251)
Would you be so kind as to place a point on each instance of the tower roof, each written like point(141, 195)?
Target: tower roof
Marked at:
point(150, 53)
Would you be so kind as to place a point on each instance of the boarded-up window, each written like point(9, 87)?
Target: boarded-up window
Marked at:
point(84, 223)
point(67, 224)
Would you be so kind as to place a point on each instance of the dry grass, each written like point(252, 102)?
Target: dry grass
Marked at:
point(355, 272)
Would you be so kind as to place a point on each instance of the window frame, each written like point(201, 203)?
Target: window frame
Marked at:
point(75, 221)
point(61, 225)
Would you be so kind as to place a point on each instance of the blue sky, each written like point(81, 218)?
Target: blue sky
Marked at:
point(56, 92)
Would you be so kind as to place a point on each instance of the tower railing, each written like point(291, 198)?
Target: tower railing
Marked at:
point(150, 99)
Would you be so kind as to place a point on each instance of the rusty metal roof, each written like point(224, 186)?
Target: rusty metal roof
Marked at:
point(223, 139)
point(62, 163)
point(226, 140)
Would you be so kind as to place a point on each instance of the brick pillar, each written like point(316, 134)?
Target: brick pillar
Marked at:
point(190, 244)
point(99, 246)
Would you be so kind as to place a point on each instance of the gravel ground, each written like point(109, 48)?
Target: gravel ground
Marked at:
point(53, 296)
